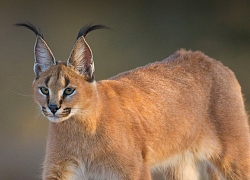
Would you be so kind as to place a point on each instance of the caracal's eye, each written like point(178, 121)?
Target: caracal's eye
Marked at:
point(68, 91)
point(44, 90)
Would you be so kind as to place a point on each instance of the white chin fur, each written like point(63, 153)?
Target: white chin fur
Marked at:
point(57, 119)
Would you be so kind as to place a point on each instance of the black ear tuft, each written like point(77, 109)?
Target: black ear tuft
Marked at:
point(88, 28)
point(31, 27)
point(44, 58)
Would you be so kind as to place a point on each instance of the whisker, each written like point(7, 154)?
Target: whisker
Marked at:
point(21, 89)
point(23, 93)
point(78, 108)
point(38, 115)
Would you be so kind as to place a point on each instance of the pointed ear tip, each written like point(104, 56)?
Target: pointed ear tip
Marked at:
point(81, 38)
point(40, 37)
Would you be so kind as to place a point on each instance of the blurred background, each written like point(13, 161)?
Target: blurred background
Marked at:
point(143, 32)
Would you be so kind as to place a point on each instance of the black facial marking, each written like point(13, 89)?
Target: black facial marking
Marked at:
point(66, 81)
point(47, 98)
point(66, 111)
point(64, 96)
point(44, 110)
point(58, 73)
point(47, 80)
point(61, 101)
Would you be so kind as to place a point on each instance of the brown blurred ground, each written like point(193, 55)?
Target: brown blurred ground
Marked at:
point(142, 32)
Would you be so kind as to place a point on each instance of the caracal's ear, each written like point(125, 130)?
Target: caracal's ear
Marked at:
point(44, 58)
point(81, 57)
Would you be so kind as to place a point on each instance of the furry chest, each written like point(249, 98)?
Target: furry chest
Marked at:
point(90, 171)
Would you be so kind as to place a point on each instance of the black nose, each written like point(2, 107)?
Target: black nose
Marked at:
point(53, 108)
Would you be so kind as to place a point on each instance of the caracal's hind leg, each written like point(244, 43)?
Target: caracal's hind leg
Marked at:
point(235, 168)
point(231, 122)
point(233, 160)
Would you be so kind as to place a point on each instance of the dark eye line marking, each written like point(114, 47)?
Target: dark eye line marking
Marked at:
point(47, 99)
point(47, 80)
point(61, 101)
point(58, 73)
point(63, 96)
point(67, 81)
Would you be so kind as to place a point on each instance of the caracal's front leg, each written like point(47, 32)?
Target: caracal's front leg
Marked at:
point(63, 170)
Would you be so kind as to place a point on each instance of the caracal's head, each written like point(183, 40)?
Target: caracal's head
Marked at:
point(63, 89)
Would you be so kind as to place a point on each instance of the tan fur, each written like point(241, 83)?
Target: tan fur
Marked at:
point(184, 116)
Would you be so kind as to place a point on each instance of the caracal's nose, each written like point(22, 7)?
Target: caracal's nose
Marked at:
point(53, 108)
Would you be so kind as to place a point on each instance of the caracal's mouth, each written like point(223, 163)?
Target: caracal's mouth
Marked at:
point(58, 116)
